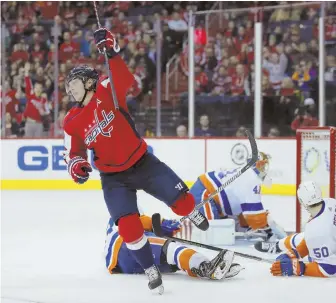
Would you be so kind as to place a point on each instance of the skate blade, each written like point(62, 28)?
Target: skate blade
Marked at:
point(234, 271)
point(159, 290)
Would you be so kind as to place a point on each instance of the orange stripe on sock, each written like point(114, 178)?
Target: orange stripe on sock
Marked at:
point(184, 260)
point(117, 244)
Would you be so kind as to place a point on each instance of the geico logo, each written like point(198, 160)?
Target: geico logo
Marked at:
point(37, 158)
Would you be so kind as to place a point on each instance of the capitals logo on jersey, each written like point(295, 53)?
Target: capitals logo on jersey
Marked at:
point(102, 127)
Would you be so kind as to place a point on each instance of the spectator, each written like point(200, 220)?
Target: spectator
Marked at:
point(241, 132)
point(181, 131)
point(69, 48)
point(240, 85)
point(221, 81)
point(205, 130)
point(37, 110)
point(273, 132)
point(276, 65)
point(287, 87)
point(200, 35)
point(177, 24)
point(201, 80)
point(301, 77)
point(209, 60)
point(303, 118)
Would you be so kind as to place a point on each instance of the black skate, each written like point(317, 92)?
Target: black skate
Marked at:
point(217, 268)
point(155, 279)
point(267, 247)
point(199, 220)
point(234, 270)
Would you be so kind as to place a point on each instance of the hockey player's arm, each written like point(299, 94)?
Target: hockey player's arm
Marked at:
point(76, 158)
point(168, 226)
point(122, 78)
point(28, 83)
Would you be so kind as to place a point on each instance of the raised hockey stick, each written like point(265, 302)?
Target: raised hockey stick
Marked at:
point(254, 158)
point(156, 223)
point(114, 95)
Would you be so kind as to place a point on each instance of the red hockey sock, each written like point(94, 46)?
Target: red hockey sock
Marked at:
point(184, 205)
point(130, 228)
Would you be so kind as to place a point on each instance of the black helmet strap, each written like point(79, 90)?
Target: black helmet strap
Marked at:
point(86, 91)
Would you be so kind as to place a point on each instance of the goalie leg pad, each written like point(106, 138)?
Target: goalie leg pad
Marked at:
point(184, 205)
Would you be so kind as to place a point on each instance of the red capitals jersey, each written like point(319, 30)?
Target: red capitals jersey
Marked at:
point(98, 126)
point(35, 106)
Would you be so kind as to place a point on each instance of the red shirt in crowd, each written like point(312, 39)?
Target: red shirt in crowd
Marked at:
point(67, 50)
point(99, 126)
point(303, 122)
point(48, 9)
point(330, 30)
point(19, 55)
point(201, 80)
point(237, 84)
point(12, 105)
point(35, 106)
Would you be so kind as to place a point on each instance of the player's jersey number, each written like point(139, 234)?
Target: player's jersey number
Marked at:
point(321, 252)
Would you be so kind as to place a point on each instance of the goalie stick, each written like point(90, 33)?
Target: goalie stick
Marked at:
point(254, 158)
point(156, 223)
point(114, 95)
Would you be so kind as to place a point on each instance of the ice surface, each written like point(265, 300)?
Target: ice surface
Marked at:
point(52, 252)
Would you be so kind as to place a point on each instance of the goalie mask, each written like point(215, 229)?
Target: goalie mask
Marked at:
point(75, 82)
point(261, 168)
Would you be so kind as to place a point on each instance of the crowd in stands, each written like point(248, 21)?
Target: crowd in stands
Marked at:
point(224, 64)
point(224, 59)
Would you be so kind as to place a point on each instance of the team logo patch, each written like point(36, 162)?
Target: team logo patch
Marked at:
point(239, 154)
point(102, 127)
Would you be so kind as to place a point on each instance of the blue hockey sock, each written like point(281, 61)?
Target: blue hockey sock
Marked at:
point(142, 252)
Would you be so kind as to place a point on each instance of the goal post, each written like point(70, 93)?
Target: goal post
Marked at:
point(315, 153)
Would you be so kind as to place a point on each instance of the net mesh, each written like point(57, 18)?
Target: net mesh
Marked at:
point(315, 163)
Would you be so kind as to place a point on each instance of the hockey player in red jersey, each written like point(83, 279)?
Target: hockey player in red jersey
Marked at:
point(120, 154)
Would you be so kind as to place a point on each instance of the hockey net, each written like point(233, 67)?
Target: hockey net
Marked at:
point(315, 162)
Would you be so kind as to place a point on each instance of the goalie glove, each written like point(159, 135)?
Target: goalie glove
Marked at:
point(79, 169)
point(288, 264)
point(104, 39)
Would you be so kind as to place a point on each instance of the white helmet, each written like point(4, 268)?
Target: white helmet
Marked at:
point(309, 193)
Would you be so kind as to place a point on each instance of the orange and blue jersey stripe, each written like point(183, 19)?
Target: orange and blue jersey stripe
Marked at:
point(114, 242)
point(211, 183)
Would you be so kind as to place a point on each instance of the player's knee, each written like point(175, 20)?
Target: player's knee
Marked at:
point(184, 205)
point(130, 228)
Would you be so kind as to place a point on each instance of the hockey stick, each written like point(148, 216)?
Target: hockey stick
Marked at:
point(254, 158)
point(114, 95)
point(156, 223)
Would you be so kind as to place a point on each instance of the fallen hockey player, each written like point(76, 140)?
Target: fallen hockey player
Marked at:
point(169, 256)
point(318, 241)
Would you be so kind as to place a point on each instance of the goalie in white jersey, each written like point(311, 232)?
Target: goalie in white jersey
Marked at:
point(318, 241)
point(241, 200)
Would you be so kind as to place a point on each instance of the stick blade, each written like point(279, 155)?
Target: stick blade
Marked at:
point(156, 223)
